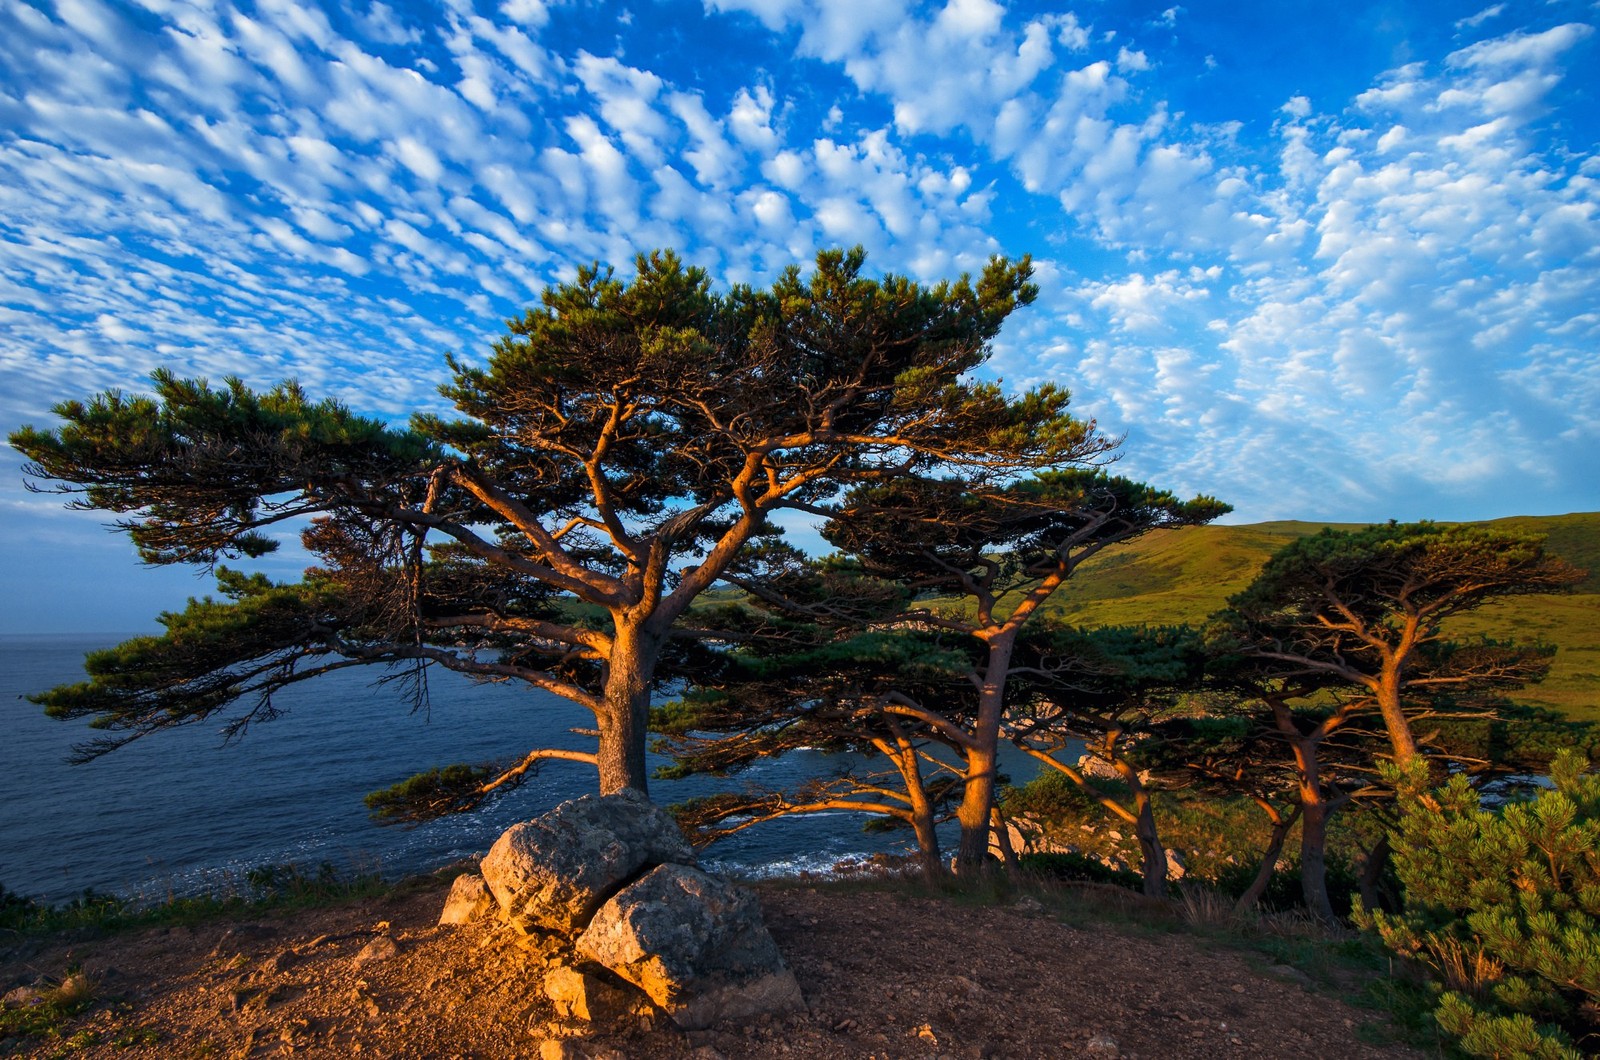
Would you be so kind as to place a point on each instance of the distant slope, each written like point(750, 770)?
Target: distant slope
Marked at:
point(1185, 575)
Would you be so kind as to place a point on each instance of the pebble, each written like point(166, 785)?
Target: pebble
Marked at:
point(379, 949)
point(23, 995)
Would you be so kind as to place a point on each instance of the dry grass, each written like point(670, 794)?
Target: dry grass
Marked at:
point(1202, 906)
point(1465, 969)
point(76, 990)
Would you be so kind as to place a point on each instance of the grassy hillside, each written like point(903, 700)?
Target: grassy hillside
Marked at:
point(1184, 575)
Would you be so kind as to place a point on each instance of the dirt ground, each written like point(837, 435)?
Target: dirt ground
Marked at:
point(887, 974)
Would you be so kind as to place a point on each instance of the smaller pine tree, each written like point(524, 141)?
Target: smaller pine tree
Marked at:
point(1505, 907)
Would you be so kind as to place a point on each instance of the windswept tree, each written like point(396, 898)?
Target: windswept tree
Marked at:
point(974, 562)
point(1119, 693)
point(623, 443)
point(864, 696)
point(1299, 750)
point(986, 561)
point(1369, 608)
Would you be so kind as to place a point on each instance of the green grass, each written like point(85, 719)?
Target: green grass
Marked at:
point(265, 888)
point(58, 1004)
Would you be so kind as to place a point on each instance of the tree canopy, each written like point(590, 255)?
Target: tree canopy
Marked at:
point(951, 568)
point(623, 442)
point(1368, 607)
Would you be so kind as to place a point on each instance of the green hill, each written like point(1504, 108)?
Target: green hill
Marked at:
point(1185, 575)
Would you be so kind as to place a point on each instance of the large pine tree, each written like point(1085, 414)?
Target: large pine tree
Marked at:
point(624, 442)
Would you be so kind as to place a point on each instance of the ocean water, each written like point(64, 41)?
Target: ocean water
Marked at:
point(181, 811)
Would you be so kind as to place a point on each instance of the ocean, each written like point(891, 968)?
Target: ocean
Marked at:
point(182, 812)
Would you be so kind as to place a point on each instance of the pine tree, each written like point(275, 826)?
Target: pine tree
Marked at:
point(622, 444)
point(1505, 906)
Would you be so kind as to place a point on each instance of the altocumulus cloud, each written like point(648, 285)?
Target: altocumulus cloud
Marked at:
point(1376, 294)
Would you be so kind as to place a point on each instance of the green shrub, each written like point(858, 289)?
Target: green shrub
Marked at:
point(264, 887)
point(1052, 797)
point(1078, 867)
point(1284, 893)
point(1504, 906)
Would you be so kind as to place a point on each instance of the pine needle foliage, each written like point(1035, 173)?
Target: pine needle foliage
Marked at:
point(1504, 906)
point(619, 447)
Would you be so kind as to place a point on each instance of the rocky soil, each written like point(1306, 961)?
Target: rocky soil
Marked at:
point(887, 974)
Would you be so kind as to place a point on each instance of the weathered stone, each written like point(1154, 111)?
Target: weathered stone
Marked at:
point(556, 870)
point(695, 945)
point(1028, 834)
point(1176, 869)
point(1102, 1045)
point(580, 996)
point(469, 900)
point(379, 949)
point(22, 997)
point(1097, 768)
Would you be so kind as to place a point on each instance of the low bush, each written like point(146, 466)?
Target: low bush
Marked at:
point(265, 887)
point(1077, 867)
point(1504, 908)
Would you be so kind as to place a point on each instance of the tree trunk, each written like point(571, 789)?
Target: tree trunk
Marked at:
point(1314, 858)
point(983, 759)
point(1372, 875)
point(624, 725)
point(904, 757)
point(1394, 718)
point(1155, 855)
point(1314, 813)
point(1269, 861)
point(927, 846)
point(977, 800)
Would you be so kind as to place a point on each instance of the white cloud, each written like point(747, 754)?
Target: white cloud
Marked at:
point(1520, 50)
point(1473, 21)
point(419, 158)
point(886, 47)
point(531, 13)
point(1130, 61)
point(627, 103)
point(751, 118)
point(384, 26)
point(716, 162)
point(1388, 295)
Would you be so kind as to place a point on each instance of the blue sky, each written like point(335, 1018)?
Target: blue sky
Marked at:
point(1324, 261)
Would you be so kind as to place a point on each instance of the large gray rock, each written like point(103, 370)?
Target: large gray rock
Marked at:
point(695, 945)
point(553, 872)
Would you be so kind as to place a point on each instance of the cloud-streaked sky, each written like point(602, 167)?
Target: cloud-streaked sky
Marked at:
point(1322, 260)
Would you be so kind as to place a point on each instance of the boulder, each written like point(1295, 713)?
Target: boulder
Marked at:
point(553, 872)
point(1028, 834)
point(469, 900)
point(695, 945)
point(581, 996)
point(1093, 766)
point(22, 997)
